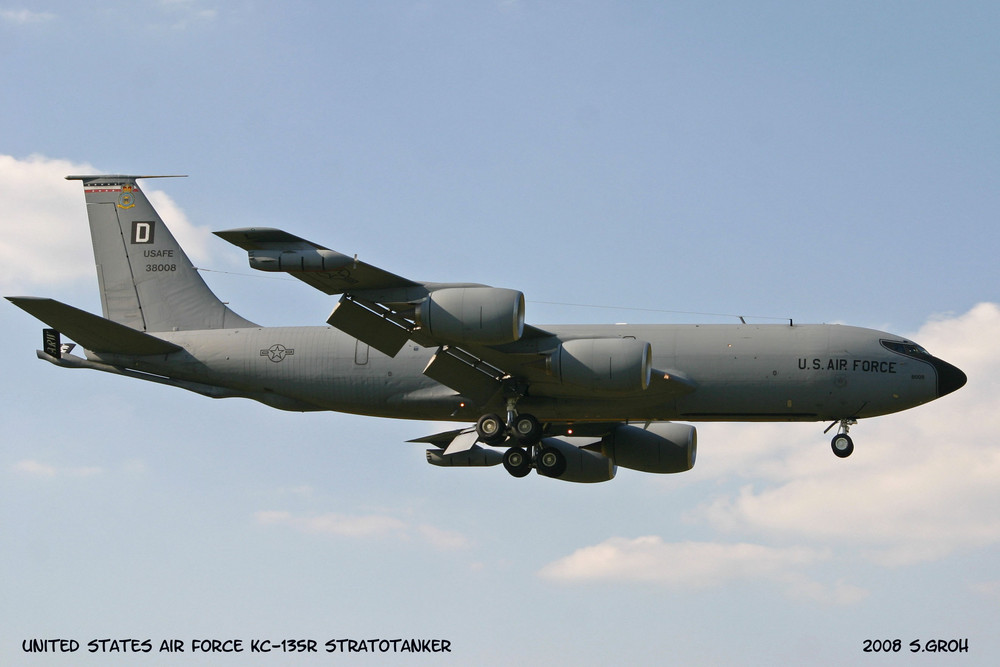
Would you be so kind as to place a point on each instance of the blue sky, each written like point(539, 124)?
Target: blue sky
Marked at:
point(827, 162)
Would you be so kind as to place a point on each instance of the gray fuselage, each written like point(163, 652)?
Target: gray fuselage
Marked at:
point(739, 372)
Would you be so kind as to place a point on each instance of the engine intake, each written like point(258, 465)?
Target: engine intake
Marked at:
point(478, 315)
point(616, 365)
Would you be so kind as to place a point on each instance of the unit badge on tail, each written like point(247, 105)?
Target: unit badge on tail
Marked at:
point(126, 199)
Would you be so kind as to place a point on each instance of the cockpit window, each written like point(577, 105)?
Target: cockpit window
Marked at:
point(908, 349)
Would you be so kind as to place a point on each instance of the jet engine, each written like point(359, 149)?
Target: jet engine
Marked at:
point(663, 447)
point(616, 365)
point(478, 315)
point(582, 465)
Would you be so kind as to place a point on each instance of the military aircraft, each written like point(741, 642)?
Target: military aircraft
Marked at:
point(573, 402)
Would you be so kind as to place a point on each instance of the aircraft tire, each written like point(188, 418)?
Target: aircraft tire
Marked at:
point(842, 445)
point(527, 430)
point(551, 462)
point(517, 462)
point(490, 429)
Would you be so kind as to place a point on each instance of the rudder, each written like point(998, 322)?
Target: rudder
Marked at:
point(147, 281)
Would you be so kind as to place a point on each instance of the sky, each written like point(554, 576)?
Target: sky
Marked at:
point(640, 162)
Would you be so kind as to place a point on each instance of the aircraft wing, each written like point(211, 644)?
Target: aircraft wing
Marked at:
point(327, 270)
point(482, 341)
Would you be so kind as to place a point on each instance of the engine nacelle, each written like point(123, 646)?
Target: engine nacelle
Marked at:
point(475, 457)
point(663, 447)
point(582, 465)
point(306, 259)
point(479, 315)
point(615, 365)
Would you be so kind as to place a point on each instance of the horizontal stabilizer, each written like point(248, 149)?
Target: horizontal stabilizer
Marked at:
point(441, 440)
point(118, 178)
point(91, 331)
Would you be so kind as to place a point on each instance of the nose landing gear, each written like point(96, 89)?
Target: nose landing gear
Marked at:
point(842, 444)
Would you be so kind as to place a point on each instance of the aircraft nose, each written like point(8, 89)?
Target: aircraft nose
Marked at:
point(949, 378)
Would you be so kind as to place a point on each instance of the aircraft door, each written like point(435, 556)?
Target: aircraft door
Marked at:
point(360, 353)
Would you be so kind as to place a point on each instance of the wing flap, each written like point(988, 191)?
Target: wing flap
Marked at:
point(469, 376)
point(377, 329)
point(91, 331)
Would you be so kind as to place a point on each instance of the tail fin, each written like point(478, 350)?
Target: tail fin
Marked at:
point(146, 280)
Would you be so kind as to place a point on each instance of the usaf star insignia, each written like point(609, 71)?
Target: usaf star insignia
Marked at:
point(277, 352)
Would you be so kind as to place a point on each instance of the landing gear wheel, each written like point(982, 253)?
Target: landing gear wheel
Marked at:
point(842, 445)
point(517, 462)
point(527, 430)
point(551, 462)
point(490, 429)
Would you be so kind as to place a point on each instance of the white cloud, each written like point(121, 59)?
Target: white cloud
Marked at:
point(366, 526)
point(134, 467)
point(46, 237)
point(441, 539)
point(302, 490)
point(25, 16)
point(185, 13)
point(34, 468)
point(698, 565)
point(688, 564)
point(194, 240)
point(337, 524)
point(920, 484)
point(988, 589)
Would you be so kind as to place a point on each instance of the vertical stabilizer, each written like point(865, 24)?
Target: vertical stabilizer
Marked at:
point(147, 281)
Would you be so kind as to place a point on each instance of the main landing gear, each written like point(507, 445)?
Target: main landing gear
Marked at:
point(493, 431)
point(842, 444)
point(519, 461)
point(526, 433)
